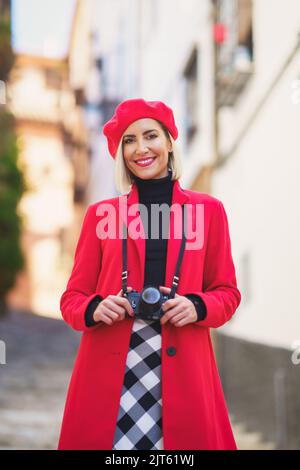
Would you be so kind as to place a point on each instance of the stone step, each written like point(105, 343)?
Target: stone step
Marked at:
point(246, 440)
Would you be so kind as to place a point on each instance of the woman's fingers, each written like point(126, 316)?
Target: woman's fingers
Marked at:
point(179, 311)
point(105, 315)
point(113, 308)
point(123, 302)
point(120, 293)
point(166, 290)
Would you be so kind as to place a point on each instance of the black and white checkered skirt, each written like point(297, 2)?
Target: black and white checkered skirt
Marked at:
point(139, 422)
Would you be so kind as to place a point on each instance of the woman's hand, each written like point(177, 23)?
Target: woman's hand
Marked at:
point(113, 308)
point(179, 311)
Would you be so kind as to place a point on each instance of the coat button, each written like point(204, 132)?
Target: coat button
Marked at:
point(171, 351)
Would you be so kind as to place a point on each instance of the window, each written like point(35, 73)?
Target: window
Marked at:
point(108, 108)
point(53, 78)
point(235, 53)
point(79, 194)
point(79, 96)
point(191, 96)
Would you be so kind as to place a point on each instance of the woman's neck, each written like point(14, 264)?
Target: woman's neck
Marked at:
point(152, 181)
point(155, 189)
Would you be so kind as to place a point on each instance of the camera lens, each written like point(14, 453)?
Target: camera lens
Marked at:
point(150, 301)
point(151, 295)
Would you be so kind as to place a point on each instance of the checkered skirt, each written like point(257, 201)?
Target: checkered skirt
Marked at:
point(139, 422)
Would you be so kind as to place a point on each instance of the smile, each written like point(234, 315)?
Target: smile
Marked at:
point(145, 161)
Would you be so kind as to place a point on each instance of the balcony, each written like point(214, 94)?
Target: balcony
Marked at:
point(232, 77)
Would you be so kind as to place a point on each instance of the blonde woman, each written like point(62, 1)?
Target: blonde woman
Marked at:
point(145, 377)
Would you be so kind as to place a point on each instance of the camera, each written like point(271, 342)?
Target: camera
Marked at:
point(147, 304)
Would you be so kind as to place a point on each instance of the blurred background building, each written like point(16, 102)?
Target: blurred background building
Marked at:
point(53, 143)
point(230, 70)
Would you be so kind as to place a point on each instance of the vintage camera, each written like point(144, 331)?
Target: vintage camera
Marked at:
point(147, 304)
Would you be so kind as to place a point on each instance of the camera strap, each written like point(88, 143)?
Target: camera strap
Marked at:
point(179, 261)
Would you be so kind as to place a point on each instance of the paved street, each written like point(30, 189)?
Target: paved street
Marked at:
point(33, 383)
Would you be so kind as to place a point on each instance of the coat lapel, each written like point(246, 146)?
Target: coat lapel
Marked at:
point(131, 218)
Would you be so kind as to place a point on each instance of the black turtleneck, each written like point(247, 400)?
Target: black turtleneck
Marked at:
point(153, 191)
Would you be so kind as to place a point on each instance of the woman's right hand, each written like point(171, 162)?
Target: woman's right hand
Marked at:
point(113, 308)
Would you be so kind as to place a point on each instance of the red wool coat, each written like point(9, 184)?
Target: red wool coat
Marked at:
point(193, 405)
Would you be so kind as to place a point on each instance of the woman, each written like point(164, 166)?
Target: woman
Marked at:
point(148, 383)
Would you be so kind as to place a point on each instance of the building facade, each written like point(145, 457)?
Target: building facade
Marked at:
point(231, 75)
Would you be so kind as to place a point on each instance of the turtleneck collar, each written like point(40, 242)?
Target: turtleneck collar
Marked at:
point(155, 188)
point(154, 181)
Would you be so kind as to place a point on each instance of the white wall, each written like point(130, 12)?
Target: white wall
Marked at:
point(260, 185)
point(180, 26)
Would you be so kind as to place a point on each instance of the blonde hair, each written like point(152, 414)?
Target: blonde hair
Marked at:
point(123, 178)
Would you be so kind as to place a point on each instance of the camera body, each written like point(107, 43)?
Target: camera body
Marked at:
point(147, 304)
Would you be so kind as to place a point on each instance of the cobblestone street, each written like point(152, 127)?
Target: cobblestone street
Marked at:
point(39, 359)
point(40, 353)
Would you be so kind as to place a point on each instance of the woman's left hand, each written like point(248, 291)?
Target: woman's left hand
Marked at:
point(180, 310)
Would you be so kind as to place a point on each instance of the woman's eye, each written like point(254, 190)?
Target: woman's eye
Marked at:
point(127, 141)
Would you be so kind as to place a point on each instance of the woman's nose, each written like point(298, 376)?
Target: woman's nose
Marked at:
point(141, 147)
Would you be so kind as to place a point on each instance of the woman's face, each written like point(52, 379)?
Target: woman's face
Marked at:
point(146, 149)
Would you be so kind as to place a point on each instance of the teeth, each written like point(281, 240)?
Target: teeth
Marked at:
point(148, 160)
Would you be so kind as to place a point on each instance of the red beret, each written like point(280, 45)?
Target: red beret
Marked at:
point(130, 110)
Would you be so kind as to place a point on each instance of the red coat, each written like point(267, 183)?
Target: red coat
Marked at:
point(194, 410)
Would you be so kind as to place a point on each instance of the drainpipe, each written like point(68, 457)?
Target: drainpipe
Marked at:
point(216, 152)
